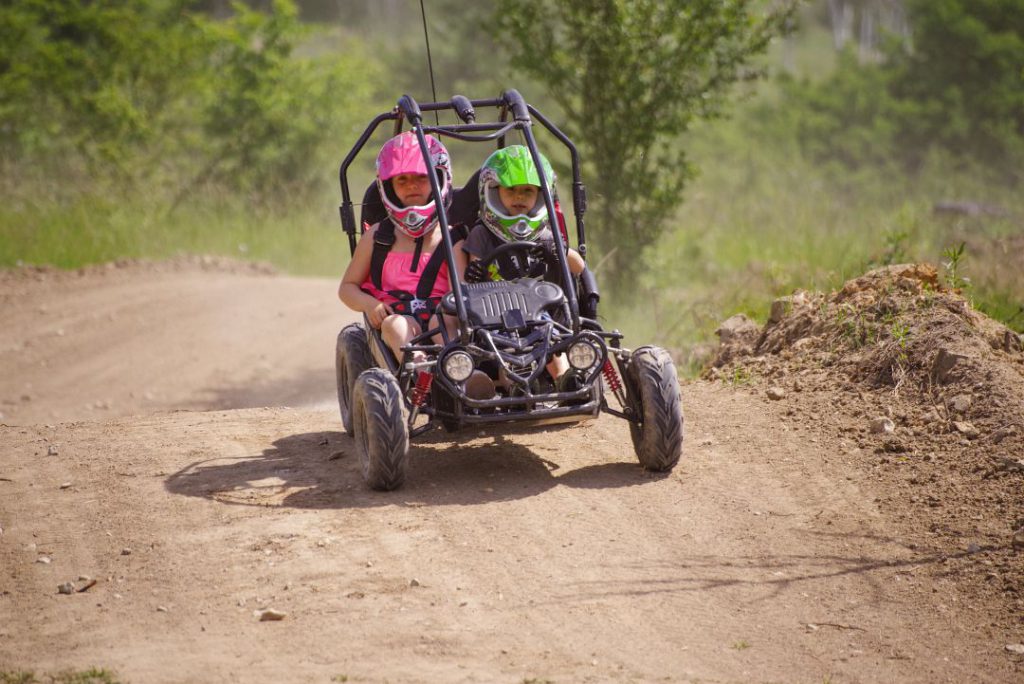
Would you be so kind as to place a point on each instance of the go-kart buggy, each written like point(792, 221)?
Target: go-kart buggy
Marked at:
point(509, 327)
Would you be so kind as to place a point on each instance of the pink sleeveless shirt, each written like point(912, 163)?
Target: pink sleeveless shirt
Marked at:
point(397, 276)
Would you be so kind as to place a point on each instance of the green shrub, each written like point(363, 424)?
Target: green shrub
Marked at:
point(146, 97)
point(956, 86)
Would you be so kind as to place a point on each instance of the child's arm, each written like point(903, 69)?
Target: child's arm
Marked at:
point(470, 249)
point(358, 271)
point(461, 258)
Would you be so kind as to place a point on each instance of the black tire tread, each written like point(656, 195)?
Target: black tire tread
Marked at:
point(351, 357)
point(382, 435)
point(654, 389)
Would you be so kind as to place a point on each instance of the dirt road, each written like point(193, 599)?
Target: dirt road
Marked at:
point(138, 450)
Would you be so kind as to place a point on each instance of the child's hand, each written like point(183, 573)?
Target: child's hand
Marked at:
point(475, 272)
point(378, 313)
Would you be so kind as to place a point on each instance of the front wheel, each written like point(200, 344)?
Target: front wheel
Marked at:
point(654, 397)
point(382, 435)
point(351, 357)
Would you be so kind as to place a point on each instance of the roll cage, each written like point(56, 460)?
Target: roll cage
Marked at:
point(509, 104)
point(508, 330)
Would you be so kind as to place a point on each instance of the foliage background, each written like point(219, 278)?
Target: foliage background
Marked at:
point(163, 126)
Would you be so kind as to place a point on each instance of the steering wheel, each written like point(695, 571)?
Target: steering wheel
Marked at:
point(532, 260)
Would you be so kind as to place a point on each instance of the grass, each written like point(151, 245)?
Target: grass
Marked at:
point(760, 222)
point(90, 676)
point(304, 239)
point(740, 376)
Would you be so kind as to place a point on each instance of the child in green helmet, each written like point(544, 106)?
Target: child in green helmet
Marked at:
point(512, 209)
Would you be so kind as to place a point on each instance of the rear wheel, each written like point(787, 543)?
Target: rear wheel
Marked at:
point(351, 357)
point(654, 397)
point(380, 430)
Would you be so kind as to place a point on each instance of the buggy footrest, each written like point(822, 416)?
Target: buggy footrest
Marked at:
point(493, 303)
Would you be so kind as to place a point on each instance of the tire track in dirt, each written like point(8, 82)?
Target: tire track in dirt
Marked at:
point(545, 555)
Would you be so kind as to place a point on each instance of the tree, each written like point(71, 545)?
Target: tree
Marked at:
point(92, 79)
point(630, 78)
point(956, 86)
point(270, 112)
point(149, 94)
point(966, 71)
point(872, 16)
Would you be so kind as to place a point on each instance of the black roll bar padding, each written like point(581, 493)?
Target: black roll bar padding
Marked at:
point(348, 219)
point(434, 106)
point(579, 191)
point(408, 106)
point(579, 196)
point(590, 294)
point(517, 104)
point(464, 108)
point(579, 206)
point(413, 112)
point(556, 234)
point(348, 224)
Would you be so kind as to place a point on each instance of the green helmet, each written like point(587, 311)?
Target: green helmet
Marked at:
point(509, 167)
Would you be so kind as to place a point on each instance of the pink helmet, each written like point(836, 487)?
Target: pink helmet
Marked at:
point(401, 155)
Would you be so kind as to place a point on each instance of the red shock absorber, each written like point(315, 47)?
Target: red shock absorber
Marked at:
point(611, 377)
point(422, 389)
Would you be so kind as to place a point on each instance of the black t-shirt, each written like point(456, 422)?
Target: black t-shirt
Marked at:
point(482, 241)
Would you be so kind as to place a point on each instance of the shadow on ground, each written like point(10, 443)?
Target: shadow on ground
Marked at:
point(770, 576)
point(320, 470)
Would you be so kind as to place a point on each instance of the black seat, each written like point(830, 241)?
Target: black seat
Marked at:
point(373, 210)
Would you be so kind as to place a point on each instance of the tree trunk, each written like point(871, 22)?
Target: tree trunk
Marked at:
point(841, 13)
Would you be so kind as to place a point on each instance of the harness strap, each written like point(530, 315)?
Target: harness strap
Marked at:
point(430, 272)
point(419, 309)
point(416, 255)
point(420, 305)
point(383, 241)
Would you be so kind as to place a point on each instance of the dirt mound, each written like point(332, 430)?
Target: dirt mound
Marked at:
point(928, 395)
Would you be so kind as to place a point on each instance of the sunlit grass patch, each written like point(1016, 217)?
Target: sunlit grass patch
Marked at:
point(304, 239)
point(761, 221)
point(90, 676)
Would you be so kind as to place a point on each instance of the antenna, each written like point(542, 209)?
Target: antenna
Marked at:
point(430, 63)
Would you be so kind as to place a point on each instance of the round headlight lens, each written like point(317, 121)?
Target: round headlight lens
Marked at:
point(582, 355)
point(458, 366)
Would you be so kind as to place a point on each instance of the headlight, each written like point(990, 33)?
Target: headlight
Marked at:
point(582, 355)
point(458, 366)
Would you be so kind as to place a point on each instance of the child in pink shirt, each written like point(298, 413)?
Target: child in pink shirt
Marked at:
point(391, 305)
